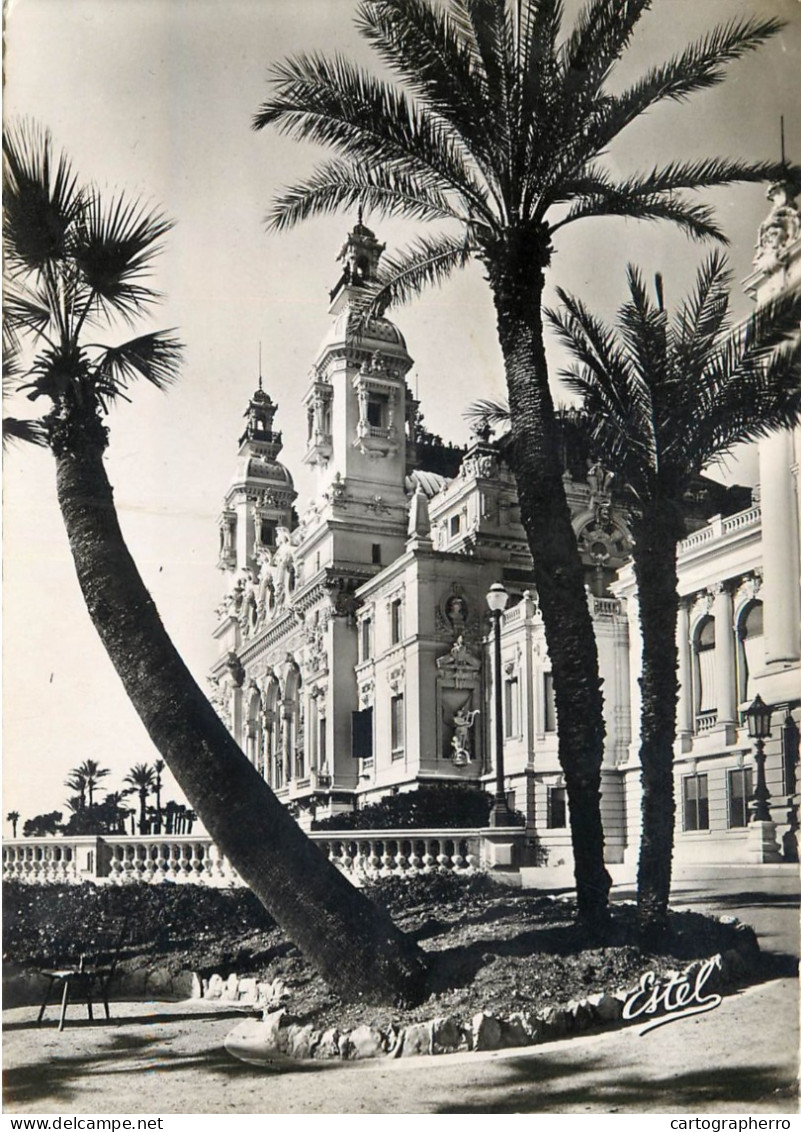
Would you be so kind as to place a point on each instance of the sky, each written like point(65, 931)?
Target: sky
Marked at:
point(156, 97)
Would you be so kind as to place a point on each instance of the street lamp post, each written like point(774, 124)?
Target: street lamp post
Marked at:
point(758, 719)
point(496, 600)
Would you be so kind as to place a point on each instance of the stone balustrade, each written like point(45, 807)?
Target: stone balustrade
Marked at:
point(195, 859)
point(370, 854)
point(50, 860)
point(190, 859)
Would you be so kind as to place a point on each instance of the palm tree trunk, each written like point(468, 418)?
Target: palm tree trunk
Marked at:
point(142, 810)
point(352, 943)
point(517, 286)
point(656, 537)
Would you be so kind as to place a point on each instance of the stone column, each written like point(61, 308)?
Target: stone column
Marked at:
point(684, 710)
point(780, 548)
point(722, 611)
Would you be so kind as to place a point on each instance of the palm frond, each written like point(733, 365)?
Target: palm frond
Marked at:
point(339, 185)
point(702, 317)
point(25, 309)
point(422, 44)
point(27, 431)
point(482, 412)
point(114, 251)
point(333, 103)
point(694, 220)
point(41, 199)
point(612, 390)
point(601, 34)
point(426, 262)
point(700, 67)
point(743, 402)
point(156, 357)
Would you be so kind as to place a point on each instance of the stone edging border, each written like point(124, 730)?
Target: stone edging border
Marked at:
point(272, 1040)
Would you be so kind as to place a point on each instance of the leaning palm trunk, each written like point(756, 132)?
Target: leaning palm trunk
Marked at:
point(656, 541)
point(558, 570)
point(352, 943)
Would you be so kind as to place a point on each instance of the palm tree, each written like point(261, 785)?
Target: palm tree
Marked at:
point(141, 779)
point(77, 781)
point(13, 817)
point(91, 771)
point(72, 262)
point(158, 767)
point(499, 135)
point(665, 397)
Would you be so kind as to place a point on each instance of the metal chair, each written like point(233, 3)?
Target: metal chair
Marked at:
point(91, 976)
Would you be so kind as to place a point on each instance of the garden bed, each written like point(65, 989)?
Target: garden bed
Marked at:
point(494, 951)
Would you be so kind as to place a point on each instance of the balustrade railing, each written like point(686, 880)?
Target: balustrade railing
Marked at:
point(195, 859)
point(369, 854)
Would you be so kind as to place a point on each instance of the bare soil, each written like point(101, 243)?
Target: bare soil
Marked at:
point(492, 950)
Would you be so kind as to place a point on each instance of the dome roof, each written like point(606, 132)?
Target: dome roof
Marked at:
point(379, 333)
point(252, 466)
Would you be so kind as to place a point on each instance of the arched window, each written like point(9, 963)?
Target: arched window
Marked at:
point(253, 745)
point(750, 649)
point(706, 700)
point(294, 753)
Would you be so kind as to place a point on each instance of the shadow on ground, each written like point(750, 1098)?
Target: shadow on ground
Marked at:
point(533, 1085)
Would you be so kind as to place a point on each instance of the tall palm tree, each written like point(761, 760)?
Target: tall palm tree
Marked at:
point(497, 130)
point(73, 262)
point(91, 771)
point(665, 397)
point(158, 767)
point(77, 781)
point(141, 778)
point(13, 817)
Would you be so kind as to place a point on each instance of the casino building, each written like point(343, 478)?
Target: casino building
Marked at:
point(354, 656)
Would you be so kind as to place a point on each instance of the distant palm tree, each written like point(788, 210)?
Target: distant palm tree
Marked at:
point(13, 817)
point(500, 134)
point(665, 397)
point(91, 772)
point(77, 781)
point(158, 767)
point(141, 778)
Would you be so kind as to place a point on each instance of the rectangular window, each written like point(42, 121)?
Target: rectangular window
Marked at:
point(397, 725)
point(456, 524)
point(695, 792)
point(362, 734)
point(376, 553)
point(549, 702)
point(557, 807)
point(739, 795)
point(367, 638)
point(376, 411)
point(323, 747)
point(395, 621)
point(511, 701)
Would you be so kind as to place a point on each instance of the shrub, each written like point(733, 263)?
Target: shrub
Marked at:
point(53, 923)
point(441, 805)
